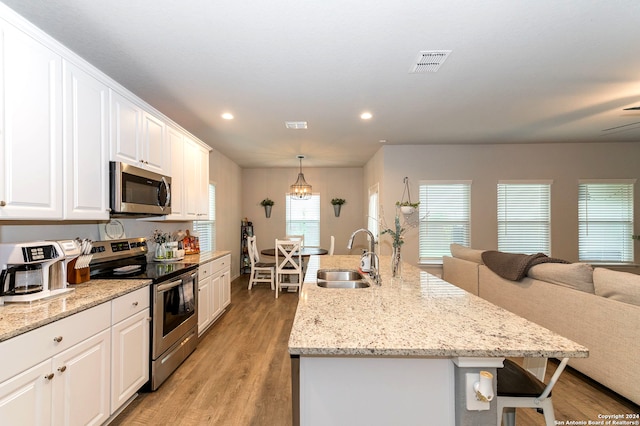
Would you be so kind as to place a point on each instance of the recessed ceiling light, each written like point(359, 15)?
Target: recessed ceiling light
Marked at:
point(296, 125)
point(382, 141)
point(227, 116)
point(366, 116)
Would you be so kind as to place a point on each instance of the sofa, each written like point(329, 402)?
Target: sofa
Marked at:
point(596, 307)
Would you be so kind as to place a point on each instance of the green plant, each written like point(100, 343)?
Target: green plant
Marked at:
point(267, 202)
point(407, 204)
point(338, 201)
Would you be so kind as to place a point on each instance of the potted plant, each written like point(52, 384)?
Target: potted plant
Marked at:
point(267, 203)
point(337, 205)
point(407, 207)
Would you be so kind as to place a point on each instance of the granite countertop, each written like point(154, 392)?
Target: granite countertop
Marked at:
point(420, 315)
point(18, 318)
point(205, 257)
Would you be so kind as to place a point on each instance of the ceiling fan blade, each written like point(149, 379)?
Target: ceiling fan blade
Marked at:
point(632, 109)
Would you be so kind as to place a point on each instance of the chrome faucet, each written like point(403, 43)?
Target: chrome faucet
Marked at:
point(374, 272)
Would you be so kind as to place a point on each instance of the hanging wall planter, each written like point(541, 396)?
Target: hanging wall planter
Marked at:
point(406, 206)
point(337, 205)
point(267, 203)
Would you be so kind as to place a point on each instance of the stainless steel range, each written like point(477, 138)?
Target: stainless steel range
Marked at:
point(174, 300)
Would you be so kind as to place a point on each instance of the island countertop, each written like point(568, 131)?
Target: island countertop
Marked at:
point(418, 316)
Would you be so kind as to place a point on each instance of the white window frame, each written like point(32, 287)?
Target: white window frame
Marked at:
point(444, 215)
point(522, 226)
point(311, 238)
point(373, 214)
point(206, 229)
point(605, 220)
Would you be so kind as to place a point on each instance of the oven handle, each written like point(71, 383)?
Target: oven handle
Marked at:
point(164, 287)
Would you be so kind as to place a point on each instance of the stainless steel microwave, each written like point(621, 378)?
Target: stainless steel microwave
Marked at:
point(133, 190)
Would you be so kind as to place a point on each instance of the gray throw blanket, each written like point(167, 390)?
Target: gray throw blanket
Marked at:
point(514, 266)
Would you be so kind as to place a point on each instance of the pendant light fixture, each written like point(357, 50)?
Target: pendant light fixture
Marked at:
point(300, 190)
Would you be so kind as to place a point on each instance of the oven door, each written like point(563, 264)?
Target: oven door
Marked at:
point(174, 311)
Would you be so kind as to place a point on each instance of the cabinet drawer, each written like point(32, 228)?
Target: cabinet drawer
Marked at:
point(221, 264)
point(28, 349)
point(130, 304)
point(205, 270)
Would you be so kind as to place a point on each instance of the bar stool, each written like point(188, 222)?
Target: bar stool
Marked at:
point(517, 387)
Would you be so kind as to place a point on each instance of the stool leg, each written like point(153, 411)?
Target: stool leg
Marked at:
point(549, 416)
point(509, 416)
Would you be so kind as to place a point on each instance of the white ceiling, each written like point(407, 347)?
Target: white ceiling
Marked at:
point(519, 72)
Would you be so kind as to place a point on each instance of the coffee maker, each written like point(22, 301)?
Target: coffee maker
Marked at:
point(32, 271)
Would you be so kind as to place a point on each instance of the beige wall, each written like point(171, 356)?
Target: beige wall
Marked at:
point(484, 165)
point(261, 183)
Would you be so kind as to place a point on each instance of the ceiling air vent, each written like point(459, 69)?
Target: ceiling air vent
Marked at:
point(429, 61)
point(296, 125)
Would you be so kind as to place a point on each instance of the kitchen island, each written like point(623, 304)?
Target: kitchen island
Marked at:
point(398, 353)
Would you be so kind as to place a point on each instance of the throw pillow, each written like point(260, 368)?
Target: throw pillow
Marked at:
point(578, 276)
point(466, 253)
point(616, 285)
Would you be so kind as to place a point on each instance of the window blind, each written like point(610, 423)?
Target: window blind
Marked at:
point(605, 222)
point(206, 229)
point(524, 217)
point(444, 218)
point(303, 218)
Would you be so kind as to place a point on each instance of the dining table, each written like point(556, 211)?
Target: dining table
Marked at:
point(304, 251)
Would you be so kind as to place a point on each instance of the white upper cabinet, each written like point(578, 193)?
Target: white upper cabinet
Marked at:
point(176, 142)
point(137, 137)
point(31, 128)
point(86, 127)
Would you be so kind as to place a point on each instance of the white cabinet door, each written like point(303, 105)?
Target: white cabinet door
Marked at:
point(216, 283)
point(86, 119)
point(126, 126)
point(82, 382)
point(130, 358)
point(176, 142)
point(204, 304)
point(225, 284)
point(203, 182)
point(31, 120)
point(191, 173)
point(25, 399)
point(155, 152)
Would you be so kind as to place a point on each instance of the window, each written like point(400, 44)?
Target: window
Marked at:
point(206, 229)
point(524, 217)
point(373, 219)
point(303, 218)
point(444, 214)
point(605, 221)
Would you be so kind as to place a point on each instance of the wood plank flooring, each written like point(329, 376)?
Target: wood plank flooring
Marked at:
point(239, 375)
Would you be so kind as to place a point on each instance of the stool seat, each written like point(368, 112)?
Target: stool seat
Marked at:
point(514, 380)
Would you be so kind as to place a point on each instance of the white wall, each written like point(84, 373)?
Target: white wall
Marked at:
point(484, 165)
point(260, 183)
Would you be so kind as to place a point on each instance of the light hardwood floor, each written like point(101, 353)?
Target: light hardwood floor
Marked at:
point(239, 375)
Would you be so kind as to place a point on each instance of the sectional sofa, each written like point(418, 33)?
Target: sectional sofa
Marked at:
point(596, 307)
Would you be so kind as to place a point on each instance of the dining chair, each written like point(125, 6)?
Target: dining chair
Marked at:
point(288, 264)
point(296, 238)
point(518, 387)
point(332, 246)
point(261, 272)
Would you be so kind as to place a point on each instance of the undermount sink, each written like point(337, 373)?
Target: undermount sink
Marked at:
point(341, 278)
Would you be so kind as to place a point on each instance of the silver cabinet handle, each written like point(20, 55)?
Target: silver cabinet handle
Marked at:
point(57, 339)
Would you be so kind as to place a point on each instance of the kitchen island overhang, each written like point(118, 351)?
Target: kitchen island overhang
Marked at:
point(417, 331)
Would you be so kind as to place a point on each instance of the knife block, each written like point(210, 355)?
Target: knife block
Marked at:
point(77, 276)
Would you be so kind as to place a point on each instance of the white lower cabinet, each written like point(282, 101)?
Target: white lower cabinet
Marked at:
point(214, 291)
point(78, 370)
point(81, 383)
point(129, 346)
